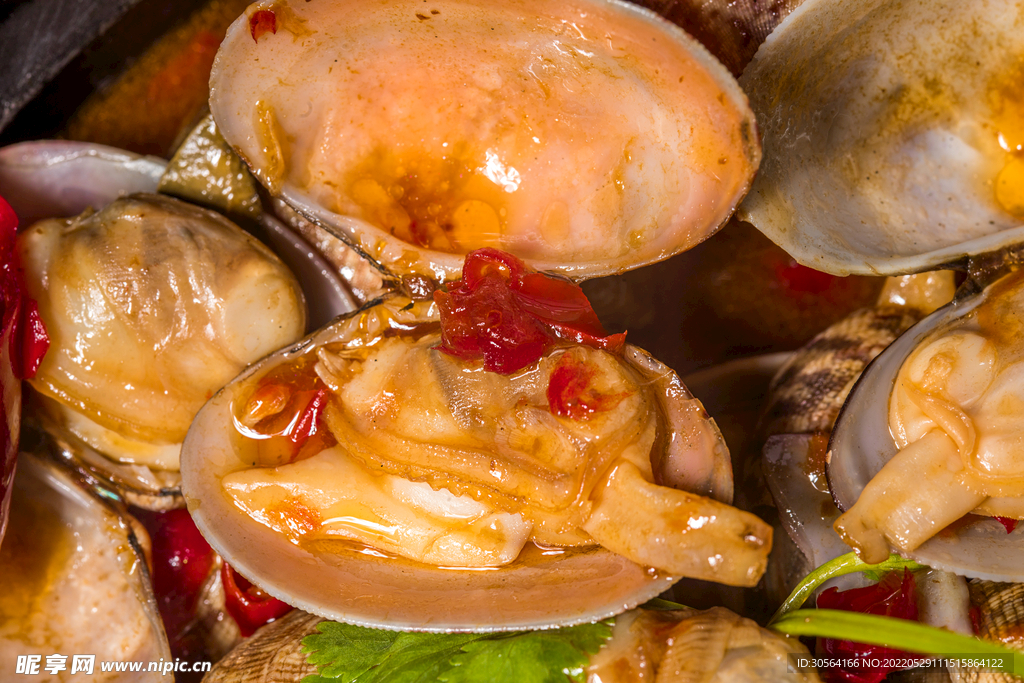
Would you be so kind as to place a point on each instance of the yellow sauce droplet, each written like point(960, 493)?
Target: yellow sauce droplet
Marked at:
point(1006, 97)
point(1010, 186)
point(475, 224)
point(447, 203)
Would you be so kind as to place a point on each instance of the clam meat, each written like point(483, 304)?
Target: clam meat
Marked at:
point(927, 446)
point(955, 415)
point(70, 562)
point(367, 444)
point(584, 137)
point(151, 305)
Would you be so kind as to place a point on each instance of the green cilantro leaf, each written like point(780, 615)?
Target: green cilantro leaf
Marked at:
point(353, 654)
point(362, 648)
point(541, 656)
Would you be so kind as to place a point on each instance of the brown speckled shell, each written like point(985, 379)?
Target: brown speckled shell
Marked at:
point(807, 393)
point(1000, 619)
point(272, 655)
point(731, 30)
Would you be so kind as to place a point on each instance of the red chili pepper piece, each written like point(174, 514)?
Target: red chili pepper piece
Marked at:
point(571, 394)
point(22, 330)
point(262, 21)
point(306, 426)
point(800, 279)
point(974, 612)
point(250, 607)
point(893, 596)
point(182, 560)
point(509, 316)
point(1009, 523)
point(21, 321)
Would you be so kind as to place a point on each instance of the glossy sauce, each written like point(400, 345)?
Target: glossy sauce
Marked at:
point(1006, 97)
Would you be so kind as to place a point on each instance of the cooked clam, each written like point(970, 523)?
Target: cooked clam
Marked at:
point(942, 401)
point(152, 304)
point(893, 145)
point(436, 492)
point(892, 133)
point(806, 397)
point(70, 562)
point(682, 646)
point(425, 467)
point(584, 137)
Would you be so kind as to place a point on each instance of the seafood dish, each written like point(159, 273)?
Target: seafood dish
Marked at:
point(351, 379)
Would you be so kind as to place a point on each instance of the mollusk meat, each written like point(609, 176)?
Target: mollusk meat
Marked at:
point(683, 646)
point(892, 133)
point(68, 562)
point(806, 397)
point(421, 463)
point(152, 305)
point(48, 179)
point(948, 393)
point(585, 137)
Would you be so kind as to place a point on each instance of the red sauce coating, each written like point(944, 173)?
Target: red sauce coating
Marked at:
point(508, 315)
point(261, 22)
point(893, 596)
point(21, 321)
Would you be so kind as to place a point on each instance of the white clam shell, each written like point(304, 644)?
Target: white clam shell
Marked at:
point(98, 599)
point(538, 591)
point(57, 178)
point(603, 136)
point(880, 134)
point(541, 589)
point(861, 444)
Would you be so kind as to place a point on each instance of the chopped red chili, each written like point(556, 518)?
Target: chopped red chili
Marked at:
point(571, 392)
point(262, 21)
point(23, 331)
point(309, 419)
point(893, 596)
point(1009, 523)
point(21, 321)
point(800, 279)
point(182, 561)
point(974, 612)
point(286, 411)
point(509, 315)
point(249, 606)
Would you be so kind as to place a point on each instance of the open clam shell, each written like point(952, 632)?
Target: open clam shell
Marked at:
point(49, 179)
point(71, 562)
point(544, 586)
point(861, 444)
point(891, 133)
point(585, 137)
